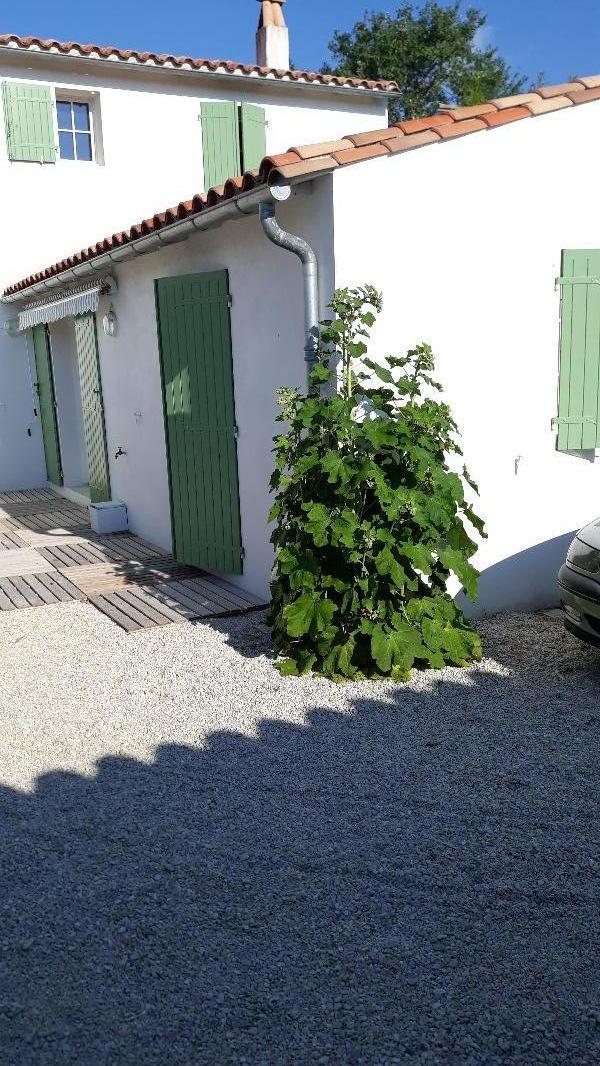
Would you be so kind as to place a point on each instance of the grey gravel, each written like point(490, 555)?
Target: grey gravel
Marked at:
point(202, 862)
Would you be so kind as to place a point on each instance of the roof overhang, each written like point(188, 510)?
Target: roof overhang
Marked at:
point(89, 271)
point(214, 72)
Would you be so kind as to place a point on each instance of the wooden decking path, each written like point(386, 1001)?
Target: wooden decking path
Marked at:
point(49, 555)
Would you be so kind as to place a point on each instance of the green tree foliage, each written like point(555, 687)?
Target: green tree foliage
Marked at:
point(432, 53)
point(369, 517)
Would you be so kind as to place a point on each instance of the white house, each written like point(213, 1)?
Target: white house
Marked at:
point(91, 137)
point(469, 223)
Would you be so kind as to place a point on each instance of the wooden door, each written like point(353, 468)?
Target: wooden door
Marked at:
point(197, 372)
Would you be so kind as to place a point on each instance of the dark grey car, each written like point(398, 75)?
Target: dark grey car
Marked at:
point(579, 585)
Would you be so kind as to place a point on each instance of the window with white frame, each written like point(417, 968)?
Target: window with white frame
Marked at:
point(75, 130)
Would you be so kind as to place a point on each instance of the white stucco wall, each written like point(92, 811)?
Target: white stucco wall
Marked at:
point(267, 323)
point(151, 158)
point(21, 450)
point(465, 241)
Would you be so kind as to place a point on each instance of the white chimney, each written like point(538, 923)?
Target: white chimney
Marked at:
point(272, 38)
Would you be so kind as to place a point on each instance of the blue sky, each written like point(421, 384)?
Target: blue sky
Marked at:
point(559, 39)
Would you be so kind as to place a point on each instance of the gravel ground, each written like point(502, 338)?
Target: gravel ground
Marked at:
point(202, 862)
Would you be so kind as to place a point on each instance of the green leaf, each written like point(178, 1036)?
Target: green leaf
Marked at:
point(323, 614)
point(318, 521)
point(388, 566)
point(468, 576)
point(320, 374)
point(380, 371)
point(334, 465)
point(419, 555)
point(287, 668)
point(299, 615)
point(395, 647)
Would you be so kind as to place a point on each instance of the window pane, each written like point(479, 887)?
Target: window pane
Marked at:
point(63, 109)
point(67, 150)
point(83, 144)
point(81, 114)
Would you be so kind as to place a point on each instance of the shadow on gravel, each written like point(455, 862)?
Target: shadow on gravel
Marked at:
point(416, 882)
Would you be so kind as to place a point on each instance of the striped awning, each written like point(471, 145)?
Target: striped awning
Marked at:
point(75, 301)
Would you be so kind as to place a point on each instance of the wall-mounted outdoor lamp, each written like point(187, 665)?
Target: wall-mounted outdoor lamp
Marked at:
point(110, 323)
point(11, 327)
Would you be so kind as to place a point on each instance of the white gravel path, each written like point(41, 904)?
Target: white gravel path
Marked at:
point(202, 862)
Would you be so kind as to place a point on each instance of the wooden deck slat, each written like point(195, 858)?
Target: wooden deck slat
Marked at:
point(130, 547)
point(107, 607)
point(10, 590)
point(161, 593)
point(22, 561)
point(39, 588)
point(212, 592)
point(227, 586)
point(10, 541)
point(32, 597)
point(202, 606)
point(68, 586)
point(56, 590)
point(99, 553)
point(170, 610)
point(35, 539)
point(55, 556)
point(157, 615)
point(36, 507)
point(5, 603)
point(62, 556)
point(101, 579)
point(48, 521)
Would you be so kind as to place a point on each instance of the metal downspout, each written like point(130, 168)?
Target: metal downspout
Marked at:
point(298, 246)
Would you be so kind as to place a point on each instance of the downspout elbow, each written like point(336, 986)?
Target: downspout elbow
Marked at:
point(299, 247)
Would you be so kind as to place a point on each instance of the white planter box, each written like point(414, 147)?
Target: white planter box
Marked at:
point(108, 517)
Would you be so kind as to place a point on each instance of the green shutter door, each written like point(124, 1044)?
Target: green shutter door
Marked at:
point(579, 383)
point(197, 372)
point(28, 117)
point(220, 143)
point(47, 404)
point(92, 407)
point(254, 136)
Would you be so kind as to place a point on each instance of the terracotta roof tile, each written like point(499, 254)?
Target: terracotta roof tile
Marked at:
point(310, 160)
point(543, 107)
point(548, 91)
point(417, 125)
point(413, 140)
point(375, 136)
point(460, 129)
point(312, 151)
point(583, 96)
point(460, 113)
point(209, 66)
point(521, 99)
point(357, 155)
point(305, 167)
point(508, 114)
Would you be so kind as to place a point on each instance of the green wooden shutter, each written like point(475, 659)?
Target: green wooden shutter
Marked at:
point(579, 383)
point(47, 404)
point(220, 143)
point(28, 117)
point(254, 136)
point(197, 373)
point(92, 407)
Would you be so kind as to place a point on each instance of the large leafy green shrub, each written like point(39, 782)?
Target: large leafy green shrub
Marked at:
point(369, 517)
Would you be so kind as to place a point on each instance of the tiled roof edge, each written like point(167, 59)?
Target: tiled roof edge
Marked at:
point(207, 66)
point(303, 163)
